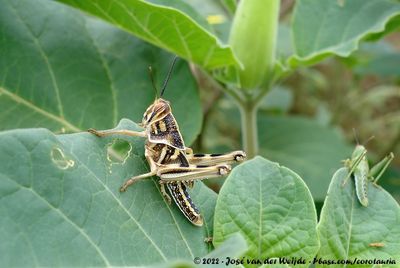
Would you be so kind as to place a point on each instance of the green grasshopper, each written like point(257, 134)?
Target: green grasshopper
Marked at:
point(359, 168)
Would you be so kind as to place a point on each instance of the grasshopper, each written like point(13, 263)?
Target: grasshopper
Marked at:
point(359, 168)
point(169, 159)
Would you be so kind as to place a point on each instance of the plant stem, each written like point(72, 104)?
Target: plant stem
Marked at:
point(248, 113)
point(253, 40)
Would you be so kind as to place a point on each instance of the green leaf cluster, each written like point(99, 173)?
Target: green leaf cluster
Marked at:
point(68, 65)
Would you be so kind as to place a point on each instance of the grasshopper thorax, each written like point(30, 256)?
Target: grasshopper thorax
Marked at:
point(161, 126)
point(358, 152)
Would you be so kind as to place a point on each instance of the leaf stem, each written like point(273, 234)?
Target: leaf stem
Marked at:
point(248, 111)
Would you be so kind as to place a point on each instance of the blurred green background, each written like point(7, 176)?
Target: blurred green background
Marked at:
point(317, 113)
point(309, 121)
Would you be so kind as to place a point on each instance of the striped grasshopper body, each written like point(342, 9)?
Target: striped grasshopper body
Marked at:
point(173, 162)
point(358, 168)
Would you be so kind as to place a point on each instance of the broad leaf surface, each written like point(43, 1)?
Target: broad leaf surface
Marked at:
point(165, 27)
point(312, 150)
point(271, 207)
point(348, 230)
point(60, 205)
point(218, 15)
point(234, 247)
point(322, 28)
point(64, 71)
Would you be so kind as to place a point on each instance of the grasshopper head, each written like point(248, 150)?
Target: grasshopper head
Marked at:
point(358, 151)
point(158, 110)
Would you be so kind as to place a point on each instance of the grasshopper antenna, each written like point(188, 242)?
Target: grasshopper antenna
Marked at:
point(355, 136)
point(151, 74)
point(369, 139)
point(168, 76)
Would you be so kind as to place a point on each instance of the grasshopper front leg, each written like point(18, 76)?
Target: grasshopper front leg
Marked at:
point(153, 171)
point(352, 164)
point(104, 133)
point(134, 179)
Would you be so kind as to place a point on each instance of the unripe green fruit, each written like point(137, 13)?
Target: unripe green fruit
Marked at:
point(253, 40)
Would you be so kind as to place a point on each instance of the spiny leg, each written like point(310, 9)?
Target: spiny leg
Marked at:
point(353, 167)
point(104, 133)
point(165, 194)
point(381, 167)
point(215, 159)
point(168, 174)
point(132, 180)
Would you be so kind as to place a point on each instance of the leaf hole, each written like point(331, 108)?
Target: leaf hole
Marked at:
point(58, 157)
point(118, 151)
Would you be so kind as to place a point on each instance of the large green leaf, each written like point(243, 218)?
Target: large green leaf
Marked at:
point(271, 207)
point(348, 230)
point(312, 150)
point(322, 28)
point(162, 26)
point(64, 71)
point(234, 247)
point(218, 15)
point(60, 204)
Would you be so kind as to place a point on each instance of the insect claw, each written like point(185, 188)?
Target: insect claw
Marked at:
point(344, 182)
point(376, 185)
point(208, 239)
point(95, 132)
point(122, 189)
point(167, 199)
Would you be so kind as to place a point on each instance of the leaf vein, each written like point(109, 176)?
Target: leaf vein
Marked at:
point(123, 207)
point(32, 106)
point(47, 62)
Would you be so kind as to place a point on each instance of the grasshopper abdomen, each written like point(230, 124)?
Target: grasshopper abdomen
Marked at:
point(184, 202)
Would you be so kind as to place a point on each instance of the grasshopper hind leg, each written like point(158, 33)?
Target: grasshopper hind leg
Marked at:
point(380, 168)
point(214, 159)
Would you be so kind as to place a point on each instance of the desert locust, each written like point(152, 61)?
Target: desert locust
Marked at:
point(170, 160)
